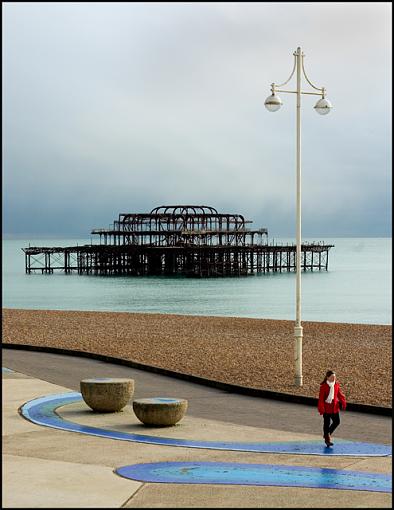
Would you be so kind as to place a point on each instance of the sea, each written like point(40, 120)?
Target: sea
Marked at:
point(356, 288)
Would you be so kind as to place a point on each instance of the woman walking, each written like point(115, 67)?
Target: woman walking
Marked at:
point(331, 399)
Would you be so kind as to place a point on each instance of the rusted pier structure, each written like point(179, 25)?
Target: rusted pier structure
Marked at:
point(177, 240)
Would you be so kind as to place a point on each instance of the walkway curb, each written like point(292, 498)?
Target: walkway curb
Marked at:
point(233, 388)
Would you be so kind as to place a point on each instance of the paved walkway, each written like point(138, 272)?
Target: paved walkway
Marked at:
point(53, 468)
point(204, 402)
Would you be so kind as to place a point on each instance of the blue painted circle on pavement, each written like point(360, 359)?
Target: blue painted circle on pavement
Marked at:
point(256, 474)
point(42, 412)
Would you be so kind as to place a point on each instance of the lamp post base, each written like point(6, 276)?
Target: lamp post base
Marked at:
point(298, 334)
point(298, 380)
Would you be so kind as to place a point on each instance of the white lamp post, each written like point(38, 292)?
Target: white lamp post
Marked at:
point(323, 106)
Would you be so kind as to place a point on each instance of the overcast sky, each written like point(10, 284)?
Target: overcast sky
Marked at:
point(121, 107)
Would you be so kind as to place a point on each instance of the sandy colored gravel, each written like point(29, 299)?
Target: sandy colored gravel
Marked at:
point(251, 352)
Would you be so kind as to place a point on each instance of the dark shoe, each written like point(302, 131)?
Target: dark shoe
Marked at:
point(327, 439)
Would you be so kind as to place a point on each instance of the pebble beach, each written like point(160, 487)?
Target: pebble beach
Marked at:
point(257, 353)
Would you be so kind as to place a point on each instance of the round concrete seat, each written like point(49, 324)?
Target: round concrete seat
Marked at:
point(160, 411)
point(107, 395)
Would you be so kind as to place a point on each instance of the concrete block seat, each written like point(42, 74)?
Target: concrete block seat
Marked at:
point(107, 395)
point(160, 411)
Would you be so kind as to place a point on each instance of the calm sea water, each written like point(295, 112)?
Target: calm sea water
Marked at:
point(355, 289)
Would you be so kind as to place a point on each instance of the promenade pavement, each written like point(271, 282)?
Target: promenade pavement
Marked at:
point(49, 468)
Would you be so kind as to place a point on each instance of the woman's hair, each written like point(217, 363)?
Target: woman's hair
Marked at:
point(330, 372)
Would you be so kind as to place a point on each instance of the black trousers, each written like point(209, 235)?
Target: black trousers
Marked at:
point(328, 417)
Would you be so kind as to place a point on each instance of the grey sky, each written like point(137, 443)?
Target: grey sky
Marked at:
point(120, 107)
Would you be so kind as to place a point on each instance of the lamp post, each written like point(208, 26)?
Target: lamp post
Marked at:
point(323, 106)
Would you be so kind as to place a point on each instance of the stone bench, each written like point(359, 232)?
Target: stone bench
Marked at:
point(107, 395)
point(160, 411)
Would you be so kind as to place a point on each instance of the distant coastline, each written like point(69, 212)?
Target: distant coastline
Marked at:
point(17, 237)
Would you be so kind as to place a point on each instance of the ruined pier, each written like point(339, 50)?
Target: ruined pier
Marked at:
point(177, 240)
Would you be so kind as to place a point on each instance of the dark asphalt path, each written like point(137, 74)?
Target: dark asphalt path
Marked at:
point(204, 402)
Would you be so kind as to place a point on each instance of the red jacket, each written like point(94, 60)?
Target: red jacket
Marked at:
point(339, 398)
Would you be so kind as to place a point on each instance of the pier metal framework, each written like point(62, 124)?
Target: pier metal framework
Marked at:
point(177, 240)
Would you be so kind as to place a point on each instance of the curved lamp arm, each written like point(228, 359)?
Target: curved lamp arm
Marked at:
point(290, 77)
point(322, 89)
